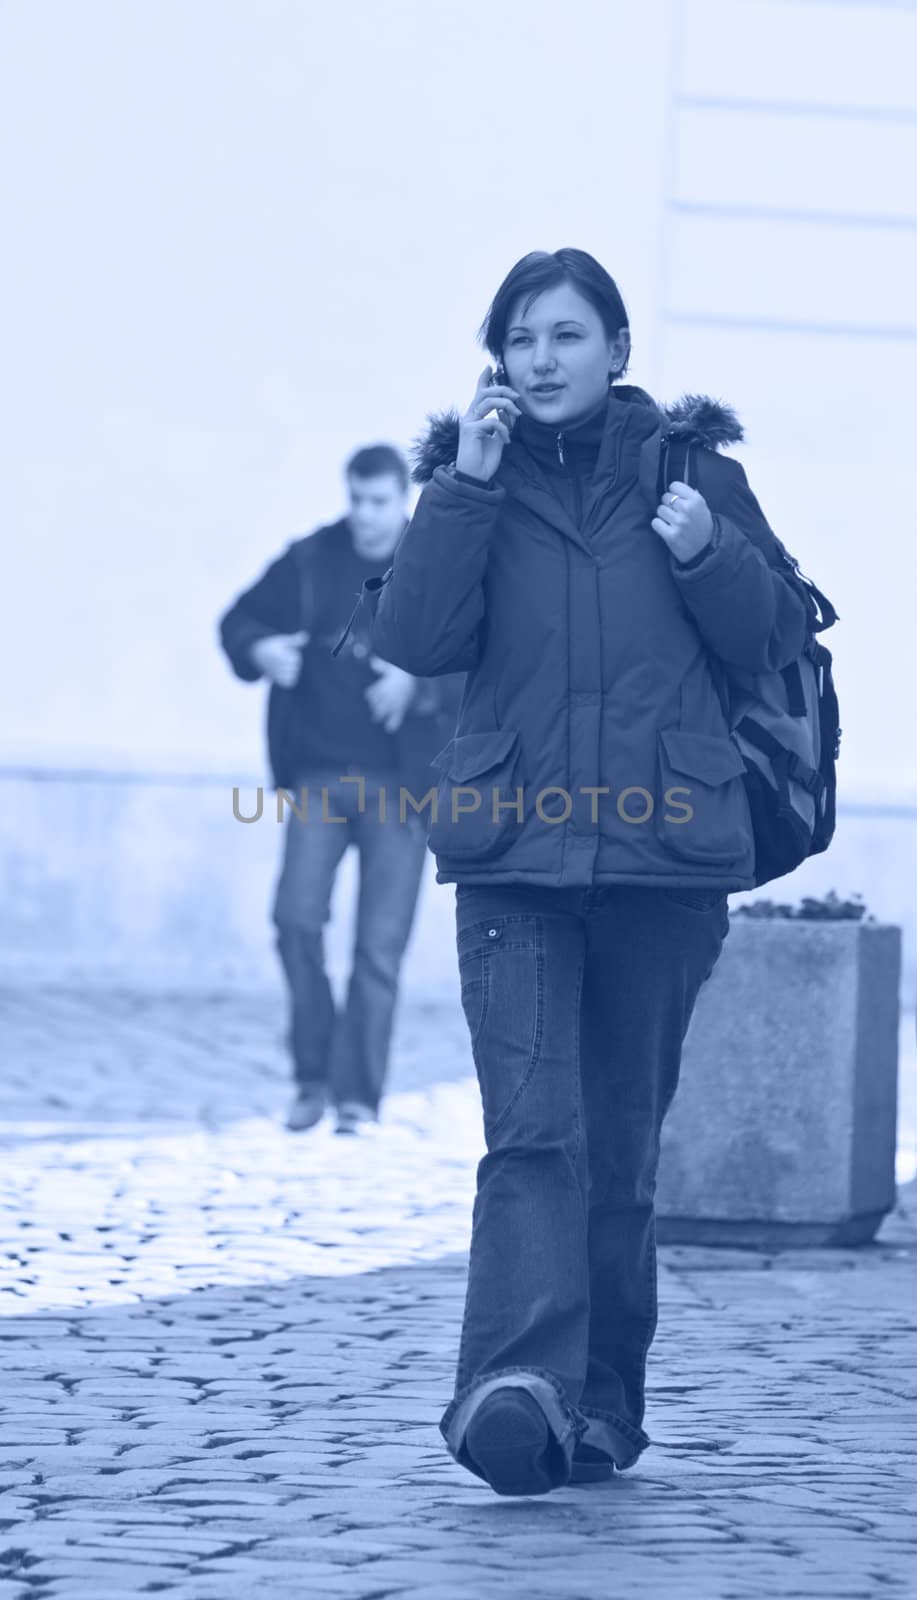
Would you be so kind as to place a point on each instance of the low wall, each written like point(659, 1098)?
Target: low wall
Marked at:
point(149, 881)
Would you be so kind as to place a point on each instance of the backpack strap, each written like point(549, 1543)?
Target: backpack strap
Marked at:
point(822, 614)
point(674, 463)
point(828, 613)
point(786, 763)
point(795, 692)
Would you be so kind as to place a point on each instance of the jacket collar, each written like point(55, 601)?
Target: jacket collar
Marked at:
point(695, 417)
point(580, 440)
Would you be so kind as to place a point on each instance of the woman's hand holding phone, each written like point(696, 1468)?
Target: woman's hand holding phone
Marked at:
point(483, 437)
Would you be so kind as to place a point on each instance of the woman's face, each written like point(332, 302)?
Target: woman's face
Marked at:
point(560, 342)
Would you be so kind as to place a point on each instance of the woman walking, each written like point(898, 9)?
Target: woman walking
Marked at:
point(592, 814)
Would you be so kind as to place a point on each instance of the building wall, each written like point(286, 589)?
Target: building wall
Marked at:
point(257, 237)
point(790, 288)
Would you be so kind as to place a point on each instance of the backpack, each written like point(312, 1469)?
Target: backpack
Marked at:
point(785, 724)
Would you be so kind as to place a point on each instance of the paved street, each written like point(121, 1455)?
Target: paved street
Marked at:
point(225, 1350)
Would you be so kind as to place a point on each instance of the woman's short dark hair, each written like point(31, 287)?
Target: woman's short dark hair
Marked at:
point(377, 460)
point(544, 269)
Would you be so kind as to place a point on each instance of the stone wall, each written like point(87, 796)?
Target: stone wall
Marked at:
point(150, 881)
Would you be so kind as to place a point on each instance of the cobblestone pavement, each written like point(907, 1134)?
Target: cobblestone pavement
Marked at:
point(225, 1351)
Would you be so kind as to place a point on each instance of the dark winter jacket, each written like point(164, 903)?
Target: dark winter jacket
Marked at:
point(324, 721)
point(591, 732)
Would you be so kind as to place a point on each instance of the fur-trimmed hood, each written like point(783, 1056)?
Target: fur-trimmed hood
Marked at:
point(695, 417)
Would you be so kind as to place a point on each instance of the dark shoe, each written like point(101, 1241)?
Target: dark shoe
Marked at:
point(511, 1444)
point(355, 1117)
point(307, 1109)
point(590, 1465)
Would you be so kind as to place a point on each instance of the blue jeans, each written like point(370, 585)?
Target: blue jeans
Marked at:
point(577, 1003)
point(346, 1053)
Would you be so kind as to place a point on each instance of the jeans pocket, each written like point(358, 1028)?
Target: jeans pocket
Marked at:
point(693, 899)
point(501, 968)
point(476, 796)
point(704, 814)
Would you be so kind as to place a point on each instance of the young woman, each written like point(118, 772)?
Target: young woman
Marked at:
point(591, 812)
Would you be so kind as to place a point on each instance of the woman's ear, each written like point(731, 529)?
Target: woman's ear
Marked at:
point(499, 373)
point(618, 352)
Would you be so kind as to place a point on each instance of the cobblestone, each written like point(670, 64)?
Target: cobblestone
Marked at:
point(255, 1401)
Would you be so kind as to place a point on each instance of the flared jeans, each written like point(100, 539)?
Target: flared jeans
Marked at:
point(577, 1003)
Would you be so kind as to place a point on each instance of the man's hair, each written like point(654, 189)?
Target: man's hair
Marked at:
point(374, 460)
point(544, 269)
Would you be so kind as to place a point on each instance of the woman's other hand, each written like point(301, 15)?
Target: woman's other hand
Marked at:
point(482, 438)
point(684, 521)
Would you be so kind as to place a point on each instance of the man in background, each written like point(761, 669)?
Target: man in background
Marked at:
point(332, 722)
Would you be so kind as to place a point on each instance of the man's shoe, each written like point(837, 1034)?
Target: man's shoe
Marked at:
point(590, 1465)
point(511, 1443)
point(353, 1115)
point(307, 1109)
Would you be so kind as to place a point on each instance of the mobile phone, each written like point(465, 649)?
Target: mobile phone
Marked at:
point(500, 377)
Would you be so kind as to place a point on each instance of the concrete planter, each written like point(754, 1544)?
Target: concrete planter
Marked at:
point(783, 1127)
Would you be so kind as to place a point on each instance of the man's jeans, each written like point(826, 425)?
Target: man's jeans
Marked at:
point(346, 1053)
point(577, 1003)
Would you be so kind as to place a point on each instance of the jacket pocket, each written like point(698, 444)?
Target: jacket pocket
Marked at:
point(703, 812)
point(478, 773)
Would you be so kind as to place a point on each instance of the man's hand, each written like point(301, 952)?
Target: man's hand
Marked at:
point(391, 694)
point(684, 521)
point(279, 656)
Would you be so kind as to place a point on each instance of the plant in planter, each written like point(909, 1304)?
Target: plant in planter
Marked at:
point(830, 908)
point(783, 1128)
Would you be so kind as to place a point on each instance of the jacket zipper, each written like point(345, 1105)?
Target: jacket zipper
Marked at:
point(577, 486)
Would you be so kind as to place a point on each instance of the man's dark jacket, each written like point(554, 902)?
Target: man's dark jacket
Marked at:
point(590, 651)
point(293, 594)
